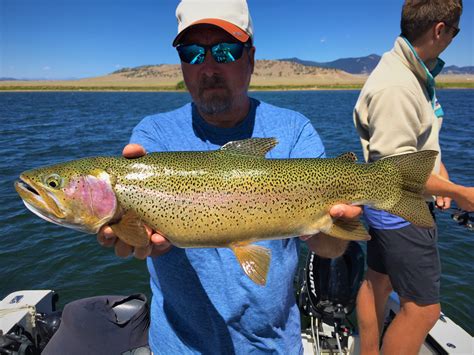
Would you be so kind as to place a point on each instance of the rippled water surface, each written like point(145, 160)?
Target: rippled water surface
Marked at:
point(43, 128)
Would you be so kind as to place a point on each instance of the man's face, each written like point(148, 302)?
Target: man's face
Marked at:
point(216, 87)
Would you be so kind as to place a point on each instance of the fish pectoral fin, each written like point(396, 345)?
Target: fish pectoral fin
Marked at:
point(131, 230)
point(348, 230)
point(254, 260)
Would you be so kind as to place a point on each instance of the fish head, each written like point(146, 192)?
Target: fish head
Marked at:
point(73, 194)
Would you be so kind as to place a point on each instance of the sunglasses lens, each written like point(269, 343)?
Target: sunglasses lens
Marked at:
point(227, 52)
point(221, 52)
point(192, 53)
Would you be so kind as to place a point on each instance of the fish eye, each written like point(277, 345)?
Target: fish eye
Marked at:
point(54, 181)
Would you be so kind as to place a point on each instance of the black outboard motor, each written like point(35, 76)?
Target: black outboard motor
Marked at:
point(328, 291)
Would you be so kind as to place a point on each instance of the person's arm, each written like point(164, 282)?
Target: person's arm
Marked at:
point(439, 185)
point(443, 202)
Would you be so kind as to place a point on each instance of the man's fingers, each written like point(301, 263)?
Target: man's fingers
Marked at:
point(159, 240)
point(345, 211)
point(133, 151)
point(443, 203)
point(161, 245)
point(142, 252)
point(447, 203)
point(122, 249)
point(440, 202)
point(106, 237)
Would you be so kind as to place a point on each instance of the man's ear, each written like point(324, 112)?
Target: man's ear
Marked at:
point(438, 29)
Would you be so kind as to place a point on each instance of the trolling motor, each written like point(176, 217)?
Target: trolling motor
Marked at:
point(327, 294)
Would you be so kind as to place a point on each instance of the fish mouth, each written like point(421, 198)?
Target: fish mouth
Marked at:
point(38, 200)
point(21, 184)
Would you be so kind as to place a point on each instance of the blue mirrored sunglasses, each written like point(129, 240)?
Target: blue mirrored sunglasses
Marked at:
point(221, 52)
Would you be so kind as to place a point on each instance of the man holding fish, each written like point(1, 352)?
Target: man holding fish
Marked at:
point(202, 302)
point(227, 184)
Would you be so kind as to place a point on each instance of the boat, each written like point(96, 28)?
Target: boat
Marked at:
point(326, 292)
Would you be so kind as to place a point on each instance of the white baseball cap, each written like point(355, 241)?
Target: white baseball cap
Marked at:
point(232, 16)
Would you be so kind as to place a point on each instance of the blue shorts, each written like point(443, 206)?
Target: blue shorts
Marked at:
point(410, 257)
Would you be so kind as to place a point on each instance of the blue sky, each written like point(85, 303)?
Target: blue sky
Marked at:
point(57, 39)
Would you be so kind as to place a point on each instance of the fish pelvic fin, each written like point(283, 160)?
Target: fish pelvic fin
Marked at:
point(131, 229)
point(254, 147)
point(254, 260)
point(415, 169)
point(348, 230)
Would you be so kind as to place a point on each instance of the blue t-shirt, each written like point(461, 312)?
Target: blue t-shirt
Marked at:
point(202, 302)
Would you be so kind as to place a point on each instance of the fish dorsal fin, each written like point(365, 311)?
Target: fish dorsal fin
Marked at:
point(255, 261)
point(131, 230)
point(349, 156)
point(255, 147)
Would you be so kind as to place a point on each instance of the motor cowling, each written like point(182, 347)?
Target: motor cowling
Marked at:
point(330, 286)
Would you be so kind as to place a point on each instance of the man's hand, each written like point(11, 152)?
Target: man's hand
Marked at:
point(133, 151)
point(443, 203)
point(465, 199)
point(106, 237)
point(345, 211)
point(329, 247)
point(159, 244)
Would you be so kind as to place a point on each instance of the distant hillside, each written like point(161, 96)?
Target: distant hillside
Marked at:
point(266, 73)
point(453, 69)
point(361, 65)
point(365, 65)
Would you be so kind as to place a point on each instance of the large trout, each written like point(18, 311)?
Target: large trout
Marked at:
point(230, 197)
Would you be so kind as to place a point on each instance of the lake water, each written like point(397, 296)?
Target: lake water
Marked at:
point(43, 128)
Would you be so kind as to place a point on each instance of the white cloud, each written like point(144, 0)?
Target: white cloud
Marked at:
point(323, 40)
point(118, 66)
point(46, 68)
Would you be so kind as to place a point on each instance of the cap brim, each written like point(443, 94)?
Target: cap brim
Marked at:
point(230, 28)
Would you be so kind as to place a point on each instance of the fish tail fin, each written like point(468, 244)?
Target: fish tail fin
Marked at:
point(254, 260)
point(415, 169)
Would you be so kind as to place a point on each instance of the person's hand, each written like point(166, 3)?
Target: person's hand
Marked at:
point(159, 245)
point(106, 237)
point(443, 203)
point(345, 211)
point(340, 211)
point(327, 246)
point(465, 199)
